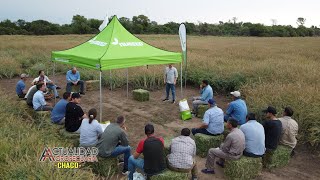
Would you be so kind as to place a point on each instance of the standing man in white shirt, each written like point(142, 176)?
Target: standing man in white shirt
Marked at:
point(170, 79)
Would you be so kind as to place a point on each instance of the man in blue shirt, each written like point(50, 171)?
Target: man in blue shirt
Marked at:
point(254, 136)
point(38, 101)
point(237, 109)
point(59, 111)
point(212, 121)
point(206, 94)
point(73, 79)
point(21, 86)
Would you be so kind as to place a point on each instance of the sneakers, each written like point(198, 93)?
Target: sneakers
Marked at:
point(194, 178)
point(58, 87)
point(165, 100)
point(82, 93)
point(206, 171)
point(173, 102)
point(58, 97)
point(125, 172)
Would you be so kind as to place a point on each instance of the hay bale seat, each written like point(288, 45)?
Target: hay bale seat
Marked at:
point(105, 167)
point(171, 175)
point(205, 142)
point(75, 137)
point(277, 158)
point(75, 89)
point(92, 85)
point(201, 110)
point(243, 168)
point(140, 95)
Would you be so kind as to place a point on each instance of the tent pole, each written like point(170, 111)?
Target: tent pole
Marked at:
point(100, 98)
point(181, 80)
point(110, 80)
point(127, 84)
point(54, 79)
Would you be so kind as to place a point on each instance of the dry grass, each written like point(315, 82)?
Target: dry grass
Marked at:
point(269, 71)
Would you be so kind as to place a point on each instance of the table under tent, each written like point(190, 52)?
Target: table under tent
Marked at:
point(114, 48)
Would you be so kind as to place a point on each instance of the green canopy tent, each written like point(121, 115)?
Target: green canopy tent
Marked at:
point(114, 48)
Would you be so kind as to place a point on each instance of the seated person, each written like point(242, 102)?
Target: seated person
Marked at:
point(38, 101)
point(59, 110)
point(49, 84)
point(206, 94)
point(231, 149)
point(254, 136)
point(90, 130)
point(32, 90)
point(74, 114)
point(237, 109)
point(213, 123)
point(21, 86)
point(73, 79)
point(272, 128)
point(183, 151)
point(289, 129)
point(153, 151)
point(114, 141)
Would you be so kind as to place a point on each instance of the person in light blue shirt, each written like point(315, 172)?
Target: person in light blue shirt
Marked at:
point(254, 137)
point(90, 130)
point(73, 79)
point(213, 123)
point(21, 86)
point(237, 109)
point(206, 93)
point(59, 111)
point(38, 101)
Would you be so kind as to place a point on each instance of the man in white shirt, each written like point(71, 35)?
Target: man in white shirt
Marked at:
point(48, 83)
point(170, 79)
point(38, 101)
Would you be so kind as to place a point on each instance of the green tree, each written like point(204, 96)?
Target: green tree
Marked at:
point(80, 25)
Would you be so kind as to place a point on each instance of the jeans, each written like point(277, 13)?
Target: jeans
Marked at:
point(126, 150)
point(133, 164)
point(202, 131)
point(53, 88)
point(81, 83)
point(173, 90)
point(249, 154)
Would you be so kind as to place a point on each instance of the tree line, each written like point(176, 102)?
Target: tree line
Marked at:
point(143, 25)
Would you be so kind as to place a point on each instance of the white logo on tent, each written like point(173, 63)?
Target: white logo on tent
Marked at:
point(61, 60)
point(98, 43)
point(124, 44)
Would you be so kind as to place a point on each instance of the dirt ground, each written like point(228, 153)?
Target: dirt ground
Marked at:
point(165, 117)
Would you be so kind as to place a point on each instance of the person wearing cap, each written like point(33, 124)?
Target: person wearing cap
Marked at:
point(254, 136)
point(170, 80)
point(289, 129)
point(74, 114)
point(73, 79)
point(59, 110)
point(21, 86)
point(206, 93)
point(213, 123)
point(114, 142)
point(38, 101)
point(231, 149)
point(49, 84)
point(237, 109)
point(272, 128)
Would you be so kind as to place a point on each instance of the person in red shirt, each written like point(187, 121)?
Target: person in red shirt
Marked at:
point(153, 151)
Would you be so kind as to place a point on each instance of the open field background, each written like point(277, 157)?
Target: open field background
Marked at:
point(268, 71)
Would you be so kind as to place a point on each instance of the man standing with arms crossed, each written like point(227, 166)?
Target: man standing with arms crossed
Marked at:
point(170, 79)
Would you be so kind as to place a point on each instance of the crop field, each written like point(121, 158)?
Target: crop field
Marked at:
point(268, 71)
